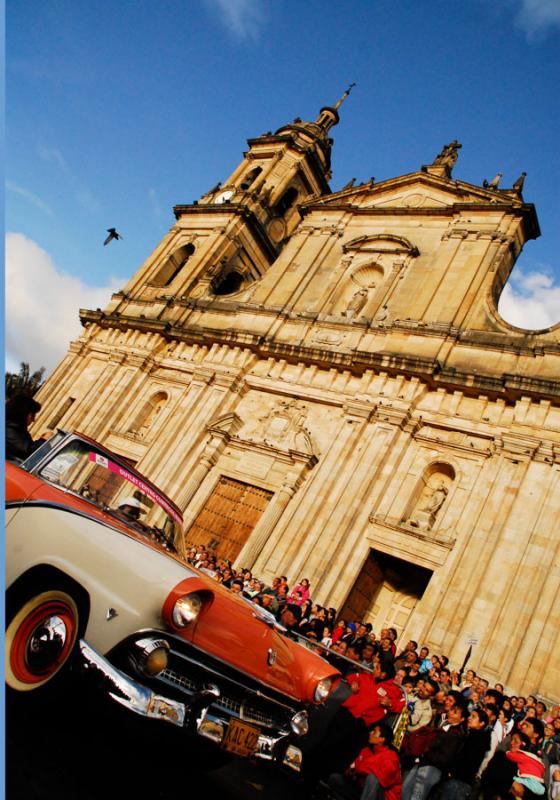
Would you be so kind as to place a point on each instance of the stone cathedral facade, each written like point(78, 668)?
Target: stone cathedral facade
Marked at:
point(323, 383)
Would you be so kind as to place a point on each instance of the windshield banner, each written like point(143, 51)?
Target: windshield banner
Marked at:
point(102, 461)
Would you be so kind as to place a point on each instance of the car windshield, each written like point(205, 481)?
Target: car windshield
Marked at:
point(85, 470)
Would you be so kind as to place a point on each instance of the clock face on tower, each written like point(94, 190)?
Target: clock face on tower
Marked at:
point(223, 197)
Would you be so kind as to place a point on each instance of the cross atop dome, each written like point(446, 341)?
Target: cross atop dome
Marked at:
point(328, 116)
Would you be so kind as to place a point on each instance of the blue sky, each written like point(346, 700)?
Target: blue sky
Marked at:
point(117, 111)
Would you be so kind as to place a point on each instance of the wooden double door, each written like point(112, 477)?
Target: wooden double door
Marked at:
point(228, 517)
point(386, 592)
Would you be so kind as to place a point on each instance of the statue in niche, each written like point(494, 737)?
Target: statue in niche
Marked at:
point(436, 499)
point(147, 417)
point(424, 515)
point(357, 302)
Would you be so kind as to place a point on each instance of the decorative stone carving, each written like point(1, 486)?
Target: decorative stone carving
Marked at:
point(429, 505)
point(328, 337)
point(283, 426)
point(368, 276)
point(357, 302)
point(382, 315)
point(413, 200)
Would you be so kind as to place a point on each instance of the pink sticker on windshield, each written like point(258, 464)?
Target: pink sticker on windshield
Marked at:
point(103, 461)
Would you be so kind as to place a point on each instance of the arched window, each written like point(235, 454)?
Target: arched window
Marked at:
point(250, 178)
point(172, 266)
point(286, 201)
point(147, 416)
point(228, 283)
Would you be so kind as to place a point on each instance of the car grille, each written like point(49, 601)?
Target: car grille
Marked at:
point(191, 670)
point(179, 680)
point(247, 711)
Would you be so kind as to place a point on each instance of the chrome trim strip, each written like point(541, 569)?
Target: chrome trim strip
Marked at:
point(132, 695)
point(179, 653)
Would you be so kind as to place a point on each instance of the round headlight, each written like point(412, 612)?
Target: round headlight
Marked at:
point(300, 723)
point(322, 690)
point(186, 609)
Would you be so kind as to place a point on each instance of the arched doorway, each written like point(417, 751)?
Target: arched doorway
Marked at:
point(386, 591)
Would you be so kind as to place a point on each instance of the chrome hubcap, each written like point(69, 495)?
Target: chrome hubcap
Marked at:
point(46, 643)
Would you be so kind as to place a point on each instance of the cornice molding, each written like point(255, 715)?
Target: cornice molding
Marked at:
point(527, 211)
point(246, 214)
point(430, 370)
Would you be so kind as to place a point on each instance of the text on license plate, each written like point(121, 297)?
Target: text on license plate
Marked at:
point(240, 738)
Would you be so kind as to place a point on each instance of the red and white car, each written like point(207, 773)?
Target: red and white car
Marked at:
point(95, 586)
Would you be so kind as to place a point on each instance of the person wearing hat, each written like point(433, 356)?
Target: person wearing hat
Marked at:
point(349, 635)
point(130, 509)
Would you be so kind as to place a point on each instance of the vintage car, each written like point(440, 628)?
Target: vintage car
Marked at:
point(96, 588)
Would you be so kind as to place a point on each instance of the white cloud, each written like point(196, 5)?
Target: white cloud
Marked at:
point(86, 198)
point(52, 155)
point(537, 17)
point(242, 18)
point(156, 207)
point(30, 197)
point(42, 305)
point(530, 300)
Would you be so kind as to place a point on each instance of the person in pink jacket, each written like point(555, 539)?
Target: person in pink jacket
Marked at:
point(303, 588)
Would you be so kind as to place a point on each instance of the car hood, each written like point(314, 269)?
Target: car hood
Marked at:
point(233, 627)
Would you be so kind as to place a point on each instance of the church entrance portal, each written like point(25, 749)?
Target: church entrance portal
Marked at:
point(228, 517)
point(386, 592)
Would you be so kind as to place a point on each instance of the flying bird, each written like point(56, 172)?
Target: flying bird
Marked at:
point(494, 183)
point(112, 235)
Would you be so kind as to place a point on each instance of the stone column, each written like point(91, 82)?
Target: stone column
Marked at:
point(207, 460)
point(254, 545)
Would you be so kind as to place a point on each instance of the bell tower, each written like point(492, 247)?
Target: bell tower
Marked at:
point(281, 170)
point(228, 239)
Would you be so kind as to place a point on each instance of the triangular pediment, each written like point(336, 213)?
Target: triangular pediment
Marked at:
point(417, 190)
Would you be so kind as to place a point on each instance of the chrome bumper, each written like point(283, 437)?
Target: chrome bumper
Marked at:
point(195, 714)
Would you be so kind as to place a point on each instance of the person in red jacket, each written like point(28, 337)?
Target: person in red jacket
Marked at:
point(373, 696)
point(376, 772)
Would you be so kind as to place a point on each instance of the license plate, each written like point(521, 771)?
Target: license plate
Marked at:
point(240, 738)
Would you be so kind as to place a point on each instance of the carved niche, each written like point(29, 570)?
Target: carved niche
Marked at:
point(430, 496)
point(147, 416)
point(372, 264)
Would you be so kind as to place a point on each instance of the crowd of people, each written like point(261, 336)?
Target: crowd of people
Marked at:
point(402, 724)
